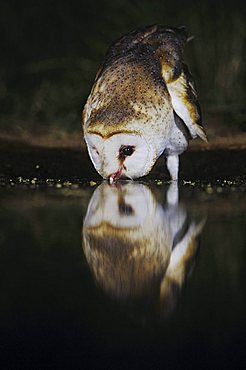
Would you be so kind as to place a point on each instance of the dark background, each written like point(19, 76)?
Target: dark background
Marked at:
point(50, 52)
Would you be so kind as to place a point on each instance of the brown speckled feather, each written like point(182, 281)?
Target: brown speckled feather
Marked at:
point(141, 70)
point(125, 90)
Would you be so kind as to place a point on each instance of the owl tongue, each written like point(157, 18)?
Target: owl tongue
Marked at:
point(112, 179)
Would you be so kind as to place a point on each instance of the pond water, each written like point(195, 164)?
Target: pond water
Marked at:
point(130, 276)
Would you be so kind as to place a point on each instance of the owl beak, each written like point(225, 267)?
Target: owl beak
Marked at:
point(114, 177)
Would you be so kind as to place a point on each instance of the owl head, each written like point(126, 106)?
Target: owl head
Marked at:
point(123, 154)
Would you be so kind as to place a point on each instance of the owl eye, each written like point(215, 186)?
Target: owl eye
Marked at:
point(125, 209)
point(126, 150)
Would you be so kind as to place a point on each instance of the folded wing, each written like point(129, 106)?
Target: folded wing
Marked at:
point(169, 45)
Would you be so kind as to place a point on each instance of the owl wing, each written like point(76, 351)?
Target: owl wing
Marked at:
point(168, 44)
point(185, 102)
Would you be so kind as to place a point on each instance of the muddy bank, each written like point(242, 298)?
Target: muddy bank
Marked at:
point(18, 160)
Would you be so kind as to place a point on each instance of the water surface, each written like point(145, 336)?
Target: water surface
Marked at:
point(129, 276)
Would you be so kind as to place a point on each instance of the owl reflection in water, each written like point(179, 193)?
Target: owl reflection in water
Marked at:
point(143, 103)
point(137, 249)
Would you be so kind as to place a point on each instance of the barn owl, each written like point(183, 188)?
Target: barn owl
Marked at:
point(136, 246)
point(143, 103)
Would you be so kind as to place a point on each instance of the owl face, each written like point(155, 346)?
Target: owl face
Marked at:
point(120, 155)
point(126, 207)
